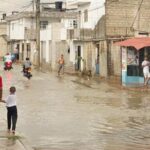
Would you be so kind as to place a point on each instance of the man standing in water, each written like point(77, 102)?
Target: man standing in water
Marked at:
point(145, 65)
point(61, 63)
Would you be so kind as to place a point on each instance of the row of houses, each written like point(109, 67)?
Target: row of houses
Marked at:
point(83, 35)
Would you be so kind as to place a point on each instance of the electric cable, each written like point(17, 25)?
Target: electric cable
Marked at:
point(137, 13)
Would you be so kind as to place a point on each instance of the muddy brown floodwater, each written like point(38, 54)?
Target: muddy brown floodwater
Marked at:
point(69, 113)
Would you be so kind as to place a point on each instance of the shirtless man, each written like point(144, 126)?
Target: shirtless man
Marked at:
point(61, 63)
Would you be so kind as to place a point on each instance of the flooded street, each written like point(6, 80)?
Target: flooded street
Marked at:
point(69, 113)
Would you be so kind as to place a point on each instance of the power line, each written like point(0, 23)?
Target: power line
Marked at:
point(93, 9)
point(17, 9)
point(137, 13)
point(23, 10)
point(99, 7)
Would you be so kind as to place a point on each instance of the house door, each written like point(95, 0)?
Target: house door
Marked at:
point(18, 51)
point(79, 58)
point(22, 51)
point(28, 50)
point(97, 59)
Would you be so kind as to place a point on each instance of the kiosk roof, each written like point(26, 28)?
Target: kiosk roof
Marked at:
point(138, 42)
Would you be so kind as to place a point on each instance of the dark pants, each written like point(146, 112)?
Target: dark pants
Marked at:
point(12, 117)
point(61, 66)
point(1, 93)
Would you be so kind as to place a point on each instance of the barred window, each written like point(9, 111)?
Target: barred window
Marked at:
point(43, 24)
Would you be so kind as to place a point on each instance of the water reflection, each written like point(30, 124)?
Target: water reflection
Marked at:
point(135, 103)
point(69, 114)
point(9, 77)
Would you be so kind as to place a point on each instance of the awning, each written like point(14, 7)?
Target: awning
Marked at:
point(138, 43)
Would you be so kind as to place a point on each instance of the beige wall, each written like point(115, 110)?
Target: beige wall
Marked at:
point(99, 31)
point(87, 55)
point(3, 39)
point(56, 49)
point(121, 20)
point(116, 59)
point(3, 47)
point(103, 59)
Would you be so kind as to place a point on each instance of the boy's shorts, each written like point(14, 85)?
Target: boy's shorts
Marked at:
point(146, 74)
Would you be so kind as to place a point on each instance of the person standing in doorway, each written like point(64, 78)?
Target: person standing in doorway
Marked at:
point(145, 65)
point(11, 110)
point(61, 63)
point(16, 53)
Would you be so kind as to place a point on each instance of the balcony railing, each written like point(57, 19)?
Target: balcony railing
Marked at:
point(80, 34)
point(78, 2)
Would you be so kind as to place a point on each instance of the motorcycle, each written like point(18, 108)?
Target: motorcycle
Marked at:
point(27, 72)
point(8, 65)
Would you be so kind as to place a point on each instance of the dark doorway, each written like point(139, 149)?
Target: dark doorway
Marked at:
point(141, 58)
point(79, 58)
point(97, 59)
point(28, 50)
point(17, 51)
point(22, 51)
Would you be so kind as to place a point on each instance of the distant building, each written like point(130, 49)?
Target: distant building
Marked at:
point(22, 34)
point(123, 20)
point(3, 38)
point(54, 38)
point(84, 52)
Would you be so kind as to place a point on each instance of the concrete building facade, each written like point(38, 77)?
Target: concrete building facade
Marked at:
point(22, 35)
point(122, 20)
point(3, 38)
point(83, 48)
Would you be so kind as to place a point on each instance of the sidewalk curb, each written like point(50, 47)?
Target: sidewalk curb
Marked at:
point(24, 145)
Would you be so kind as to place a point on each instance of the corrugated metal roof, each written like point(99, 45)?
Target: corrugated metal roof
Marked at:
point(138, 42)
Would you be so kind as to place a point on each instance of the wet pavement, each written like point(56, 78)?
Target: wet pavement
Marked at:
point(9, 141)
point(70, 113)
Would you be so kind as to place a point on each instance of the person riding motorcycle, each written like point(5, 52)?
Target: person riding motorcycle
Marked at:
point(7, 60)
point(26, 65)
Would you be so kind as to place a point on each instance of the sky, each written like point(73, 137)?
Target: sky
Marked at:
point(12, 5)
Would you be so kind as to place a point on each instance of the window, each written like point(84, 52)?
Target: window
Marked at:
point(43, 24)
point(73, 24)
point(86, 15)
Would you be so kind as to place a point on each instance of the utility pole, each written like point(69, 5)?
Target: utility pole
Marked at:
point(38, 33)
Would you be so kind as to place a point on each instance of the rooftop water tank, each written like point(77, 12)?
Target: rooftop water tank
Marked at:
point(58, 5)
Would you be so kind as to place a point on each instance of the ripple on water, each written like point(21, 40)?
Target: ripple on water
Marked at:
point(131, 135)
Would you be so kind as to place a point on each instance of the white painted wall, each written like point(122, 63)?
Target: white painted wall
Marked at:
point(95, 10)
point(17, 30)
point(29, 23)
point(53, 32)
point(63, 34)
point(46, 35)
point(72, 52)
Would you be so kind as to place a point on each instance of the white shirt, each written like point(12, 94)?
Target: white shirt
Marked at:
point(146, 64)
point(8, 58)
point(11, 100)
point(27, 64)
